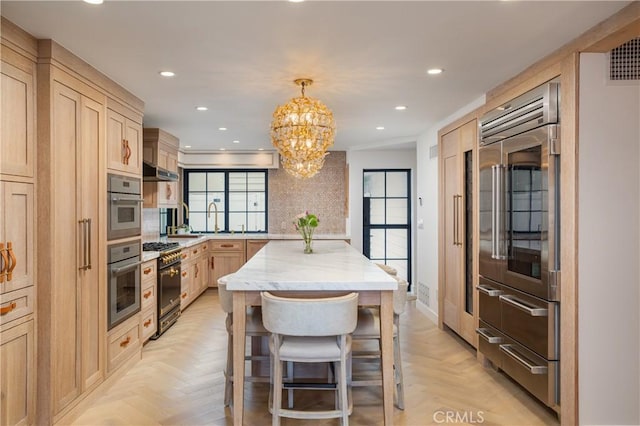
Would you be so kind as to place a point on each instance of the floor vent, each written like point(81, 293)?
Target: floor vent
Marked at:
point(624, 61)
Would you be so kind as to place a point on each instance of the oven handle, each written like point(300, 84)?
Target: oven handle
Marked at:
point(491, 292)
point(482, 332)
point(126, 200)
point(533, 369)
point(534, 312)
point(125, 268)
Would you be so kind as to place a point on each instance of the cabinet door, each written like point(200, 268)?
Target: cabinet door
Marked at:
point(65, 324)
point(223, 263)
point(452, 278)
point(172, 162)
point(92, 304)
point(185, 284)
point(18, 116)
point(203, 266)
point(17, 389)
point(133, 136)
point(124, 144)
point(16, 229)
point(168, 194)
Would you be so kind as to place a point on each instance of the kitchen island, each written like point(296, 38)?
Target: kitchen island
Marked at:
point(333, 268)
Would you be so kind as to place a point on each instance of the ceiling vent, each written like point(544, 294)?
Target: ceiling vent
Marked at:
point(624, 61)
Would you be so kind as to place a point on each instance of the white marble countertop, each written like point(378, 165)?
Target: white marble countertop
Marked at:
point(150, 255)
point(333, 265)
point(186, 242)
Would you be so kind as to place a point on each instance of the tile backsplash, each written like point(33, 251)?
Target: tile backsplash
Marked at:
point(150, 224)
point(324, 195)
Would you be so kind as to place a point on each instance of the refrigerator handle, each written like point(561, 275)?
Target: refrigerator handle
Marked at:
point(499, 228)
point(493, 211)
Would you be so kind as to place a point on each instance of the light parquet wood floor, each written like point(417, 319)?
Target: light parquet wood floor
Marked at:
point(179, 381)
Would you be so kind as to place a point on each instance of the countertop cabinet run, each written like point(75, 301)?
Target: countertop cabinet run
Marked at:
point(124, 142)
point(148, 300)
point(457, 294)
point(194, 273)
point(226, 257)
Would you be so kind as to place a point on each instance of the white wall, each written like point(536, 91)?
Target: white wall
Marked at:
point(608, 247)
point(376, 159)
point(427, 189)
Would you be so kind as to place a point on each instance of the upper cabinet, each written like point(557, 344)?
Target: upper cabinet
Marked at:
point(161, 169)
point(124, 140)
point(17, 131)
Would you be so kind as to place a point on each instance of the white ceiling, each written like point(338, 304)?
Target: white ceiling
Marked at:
point(240, 58)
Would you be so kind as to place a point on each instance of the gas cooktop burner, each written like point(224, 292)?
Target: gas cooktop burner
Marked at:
point(158, 246)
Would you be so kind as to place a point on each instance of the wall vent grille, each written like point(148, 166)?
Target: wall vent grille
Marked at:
point(624, 61)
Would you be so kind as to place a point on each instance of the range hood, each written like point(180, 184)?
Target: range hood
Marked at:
point(152, 173)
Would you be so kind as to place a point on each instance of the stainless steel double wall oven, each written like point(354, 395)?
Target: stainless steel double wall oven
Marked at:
point(519, 264)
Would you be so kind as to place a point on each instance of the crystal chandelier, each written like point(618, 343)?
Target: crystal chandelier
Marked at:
point(302, 130)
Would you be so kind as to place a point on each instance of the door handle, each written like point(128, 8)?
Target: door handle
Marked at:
point(83, 238)
point(491, 292)
point(5, 262)
point(89, 243)
point(533, 369)
point(483, 332)
point(534, 311)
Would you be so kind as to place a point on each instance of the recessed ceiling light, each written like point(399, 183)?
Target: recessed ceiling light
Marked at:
point(222, 128)
point(187, 146)
point(296, 1)
point(260, 149)
point(167, 73)
point(223, 149)
point(93, 1)
point(236, 141)
point(401, 107)
point(202, 108)
point(434, 71)
point(380, 128)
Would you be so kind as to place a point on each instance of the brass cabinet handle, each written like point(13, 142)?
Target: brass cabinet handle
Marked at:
point(125, 342)
point(89, 243)
point(184, 256)
point(226, 245)
point(184, 295)
point(6, 309)
point(147, 271)
point(184, 274)
point(5, 262)
point(213, 262)
point(168, 191)
point(128, 152)
point(195, 251)
point(147, 323)
point(197, 270)
point(147, 294)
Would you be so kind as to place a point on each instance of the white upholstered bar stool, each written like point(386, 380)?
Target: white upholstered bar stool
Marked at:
point(388, 269)
point(368, 328)
point(254, 328)
point(310, 331)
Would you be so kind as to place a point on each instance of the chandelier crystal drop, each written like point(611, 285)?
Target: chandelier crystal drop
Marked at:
point(303, 130)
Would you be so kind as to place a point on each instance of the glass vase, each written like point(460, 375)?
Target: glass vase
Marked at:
point(307, 245)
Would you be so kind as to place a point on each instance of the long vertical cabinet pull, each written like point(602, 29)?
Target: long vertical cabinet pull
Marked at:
point(458, 218)
point(12, 260)
point(5, 262)
point(89, 243)
point(455, 220)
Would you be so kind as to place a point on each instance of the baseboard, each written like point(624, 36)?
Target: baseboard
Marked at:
point(427, 311)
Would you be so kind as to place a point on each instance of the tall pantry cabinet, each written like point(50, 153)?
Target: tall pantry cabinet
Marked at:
point(457, 296)
point(17, 226)
point(72, 235)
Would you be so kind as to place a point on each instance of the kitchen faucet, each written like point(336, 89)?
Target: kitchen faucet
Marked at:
point(215, 206)
point(186, 208)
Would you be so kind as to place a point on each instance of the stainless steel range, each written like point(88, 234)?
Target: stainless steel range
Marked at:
point(169, 269)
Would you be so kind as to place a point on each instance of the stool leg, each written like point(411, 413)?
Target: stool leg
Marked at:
point(228, 372)
point(342, 384)
point(290, 377)
point(277, 382)
point(397, 364)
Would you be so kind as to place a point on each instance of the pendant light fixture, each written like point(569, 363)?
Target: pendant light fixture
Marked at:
point(303, 130)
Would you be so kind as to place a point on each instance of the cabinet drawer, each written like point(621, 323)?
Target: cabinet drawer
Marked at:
point(489, 293)
point(226, 245)
point(16, 304)
point(124, 342)
point(149, 271)
point(185, 255)
point(148, 298)
point(148, 324)
point(196, 251)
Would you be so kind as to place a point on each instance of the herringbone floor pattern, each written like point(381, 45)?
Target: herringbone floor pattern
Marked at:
point(180, 382)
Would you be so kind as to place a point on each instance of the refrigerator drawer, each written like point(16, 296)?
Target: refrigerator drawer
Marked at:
point(489, 293)
point(489, 341)
point(530, 321)
point(534, 373)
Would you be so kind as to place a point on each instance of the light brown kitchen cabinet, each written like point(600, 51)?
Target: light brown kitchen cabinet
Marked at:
point(72, 243)
point(17, 131)
point(254, 246)
point(457, 295)
point(161, 150)
point(148, 300)
point(226, 257)
point(18, 290)
point(124, 341)
point(195, 263)
point(17, 382)
point(124, 143)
